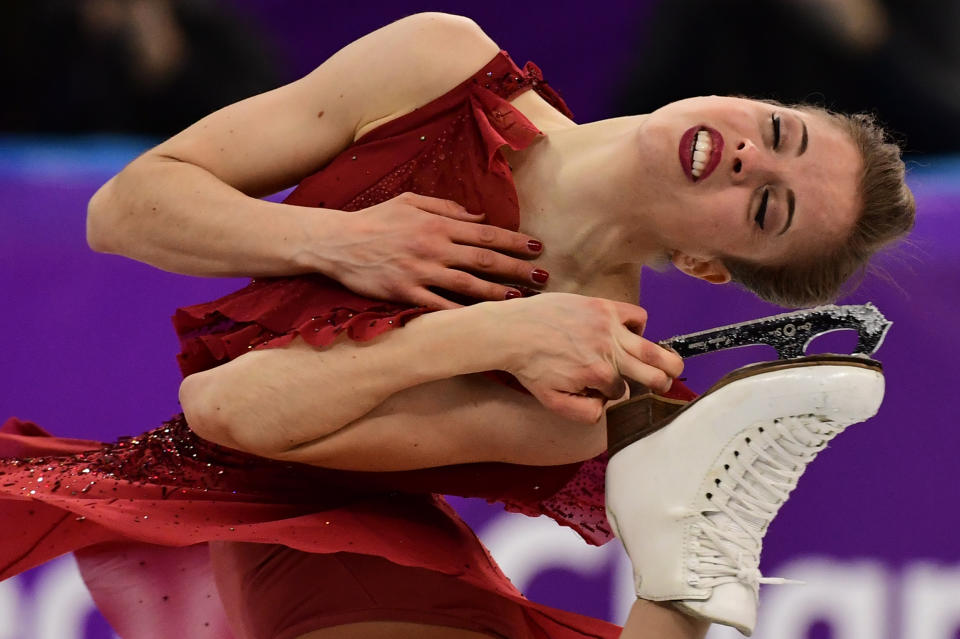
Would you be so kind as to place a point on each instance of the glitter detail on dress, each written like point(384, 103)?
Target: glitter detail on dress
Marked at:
point(167, 490)
point(460, 160)
point(193, 491)
point(578, 505)
point(456, 156)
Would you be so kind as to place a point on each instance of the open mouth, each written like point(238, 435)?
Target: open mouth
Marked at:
point(701, 148)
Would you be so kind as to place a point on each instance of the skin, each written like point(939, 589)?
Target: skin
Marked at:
point(647, 620)
point(623, 199)
point(190, 205)
point(605, 198)
point(392, 630)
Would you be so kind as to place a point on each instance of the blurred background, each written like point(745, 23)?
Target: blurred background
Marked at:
point(873, 529)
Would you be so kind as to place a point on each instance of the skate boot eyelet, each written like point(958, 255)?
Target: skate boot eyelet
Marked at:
point(724, 537)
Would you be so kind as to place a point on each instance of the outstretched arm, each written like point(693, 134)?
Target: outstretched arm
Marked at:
point(190, 204)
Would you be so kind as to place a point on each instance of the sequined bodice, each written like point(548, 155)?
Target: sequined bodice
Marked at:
point(450, 148)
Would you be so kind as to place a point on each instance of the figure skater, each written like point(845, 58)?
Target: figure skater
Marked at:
point(298, 496)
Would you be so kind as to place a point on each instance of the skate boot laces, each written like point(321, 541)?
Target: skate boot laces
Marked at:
point(757, 478)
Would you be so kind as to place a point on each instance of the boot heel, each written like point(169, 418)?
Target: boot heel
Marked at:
point(644, 413)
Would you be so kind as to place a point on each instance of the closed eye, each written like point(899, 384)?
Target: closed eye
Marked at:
point(762, 209)
point(776, 130)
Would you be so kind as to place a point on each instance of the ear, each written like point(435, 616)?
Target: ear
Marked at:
point(711, 270)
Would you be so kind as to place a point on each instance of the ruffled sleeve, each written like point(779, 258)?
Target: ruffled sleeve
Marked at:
point(272, 312)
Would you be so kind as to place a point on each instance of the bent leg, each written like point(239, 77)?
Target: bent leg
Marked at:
point(146, 591)
point(651, 620)
point(393, 630)
point(276, 592)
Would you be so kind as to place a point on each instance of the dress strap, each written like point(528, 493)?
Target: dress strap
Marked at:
point(502, 76)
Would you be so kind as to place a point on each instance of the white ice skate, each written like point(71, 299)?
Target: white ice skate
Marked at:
point(691, 495)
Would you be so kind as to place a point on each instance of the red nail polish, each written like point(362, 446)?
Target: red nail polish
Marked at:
point(512, 295)
point(535, 245)
point(539, 275)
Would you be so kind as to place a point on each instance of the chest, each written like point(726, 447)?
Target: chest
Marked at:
point(450, 149)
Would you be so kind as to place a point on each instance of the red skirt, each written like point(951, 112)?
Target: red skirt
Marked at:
point(145, 515)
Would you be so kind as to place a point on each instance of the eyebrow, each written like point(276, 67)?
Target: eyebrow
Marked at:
point(803, 138)
point(791, 205)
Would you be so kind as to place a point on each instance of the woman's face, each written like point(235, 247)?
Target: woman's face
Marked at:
point(729, 177)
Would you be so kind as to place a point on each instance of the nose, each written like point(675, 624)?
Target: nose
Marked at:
point(751, 162)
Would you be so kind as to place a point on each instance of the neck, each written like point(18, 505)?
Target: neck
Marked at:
point(570, 184)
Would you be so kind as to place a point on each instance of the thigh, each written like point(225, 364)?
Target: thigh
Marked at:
point(276, 592)
point(393, 630)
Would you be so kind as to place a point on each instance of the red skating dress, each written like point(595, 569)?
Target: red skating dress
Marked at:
point(188, 535)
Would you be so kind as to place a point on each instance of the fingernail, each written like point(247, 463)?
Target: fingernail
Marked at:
point(668, 386)
point(512, 295)
point(539, 275)
point(535, 245)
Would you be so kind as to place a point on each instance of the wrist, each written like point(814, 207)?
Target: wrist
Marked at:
point(493, 333)
point(317, 247)
point(466, 340)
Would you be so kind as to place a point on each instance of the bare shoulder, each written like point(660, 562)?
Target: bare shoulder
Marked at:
point(407, 64)
point(447, 45)
point(273, 140)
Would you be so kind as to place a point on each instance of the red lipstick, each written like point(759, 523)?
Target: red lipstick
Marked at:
point(688, 139)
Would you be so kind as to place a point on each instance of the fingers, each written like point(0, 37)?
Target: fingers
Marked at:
point(653, 354)
point(466, 284)
point(489, 261)
point(483, 246)
point(429, 299)
point(496, 238)
point(439, 206)
point(577, 407)
point(605, 382)
point(632, 316)
point(650, 376)
point(649, 364)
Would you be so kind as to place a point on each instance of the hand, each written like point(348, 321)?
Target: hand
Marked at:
point(572, 352)
point(397, 249)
